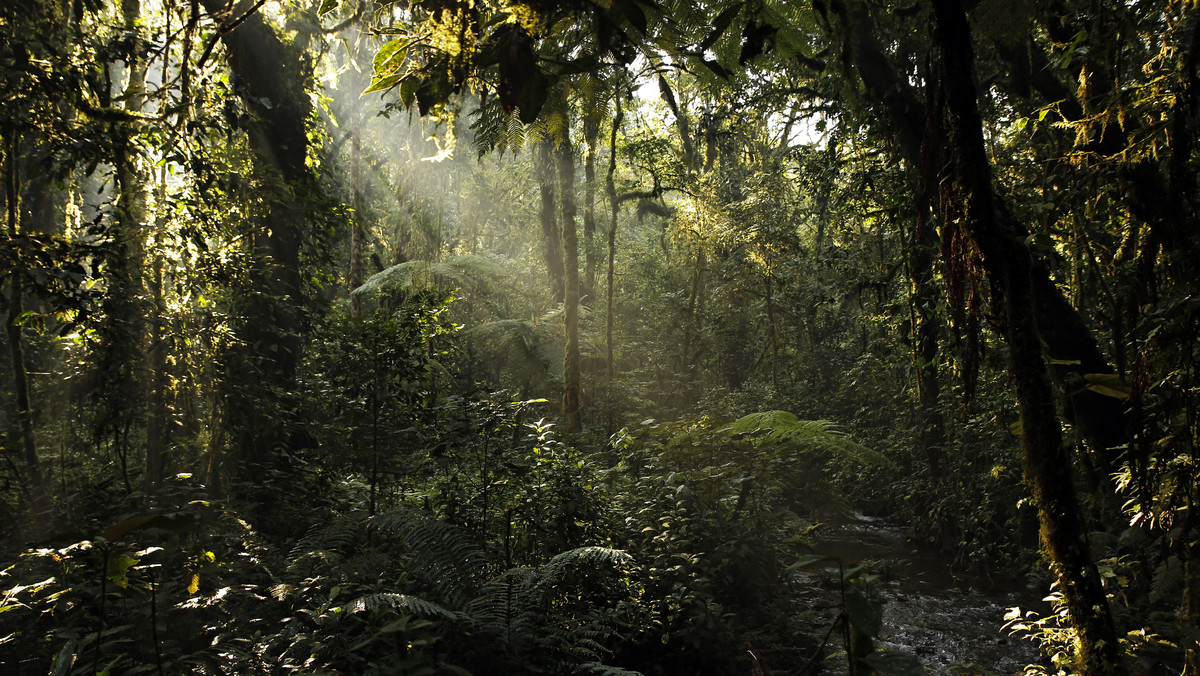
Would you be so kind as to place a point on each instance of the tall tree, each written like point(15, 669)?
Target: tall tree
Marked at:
point(570, 239)
point(968, 201)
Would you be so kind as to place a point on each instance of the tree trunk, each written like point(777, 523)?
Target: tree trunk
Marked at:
point(125, 383)
point(269, 79)
point(591, 128)
point(614, 209)
point(35, 481)
point(925, 329)
point(543, 164)
point(572, 376)
point(1008, 264)
point(1101, 419)
point(355, 275)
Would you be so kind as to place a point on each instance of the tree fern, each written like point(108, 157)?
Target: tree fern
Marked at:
point(784, 427)
point(533, 351)
point(467, 271)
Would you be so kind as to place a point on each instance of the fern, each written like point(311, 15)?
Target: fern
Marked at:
point(496, 130)
point(402, 602)
point(445, 557)
point(1168, 578)
point(325, 544)
point(532, 349)
point(562, 564)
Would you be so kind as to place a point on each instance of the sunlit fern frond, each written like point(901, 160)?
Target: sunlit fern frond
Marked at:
point(325, 544)
point(599, 669)
point(405, 603)
point(562, 565)
point(488, 125)
point(496, 130)
point(785, 427)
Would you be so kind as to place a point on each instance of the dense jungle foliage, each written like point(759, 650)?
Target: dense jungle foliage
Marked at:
point(549, 336)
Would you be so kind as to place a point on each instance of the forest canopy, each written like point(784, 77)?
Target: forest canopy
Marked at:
point(556, 336)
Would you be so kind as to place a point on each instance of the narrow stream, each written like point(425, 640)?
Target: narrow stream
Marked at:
point(946, 618)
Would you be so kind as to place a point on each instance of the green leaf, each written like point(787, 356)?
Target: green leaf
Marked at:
point(1109, 384)
point(327, 6)
point(391, 56)
point(720, 25)
point(379, 84)
point(865, 614)
point(118, 569)
point(408, 90)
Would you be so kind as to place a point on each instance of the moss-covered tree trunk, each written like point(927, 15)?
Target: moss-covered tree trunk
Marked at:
point(124, 384)
point(1101, 419)
point(967, 190)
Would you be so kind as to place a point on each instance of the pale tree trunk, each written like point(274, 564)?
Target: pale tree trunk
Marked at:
point(614, 208)
point(128, 330)
point(572, 375)
point(1008, 263)
point(355, 276)
point(591, 128)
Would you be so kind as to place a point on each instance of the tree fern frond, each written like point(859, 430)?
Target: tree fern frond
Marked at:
point(590, 557)
point(468, 271)
point(1168, 578)
point(402, 602)
point(599, 669)
point(326, 542)
point(506, 603)
point(535, 349)
point(445, 557)
point(783, 426)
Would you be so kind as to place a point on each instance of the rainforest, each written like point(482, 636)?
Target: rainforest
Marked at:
point(600, 337)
